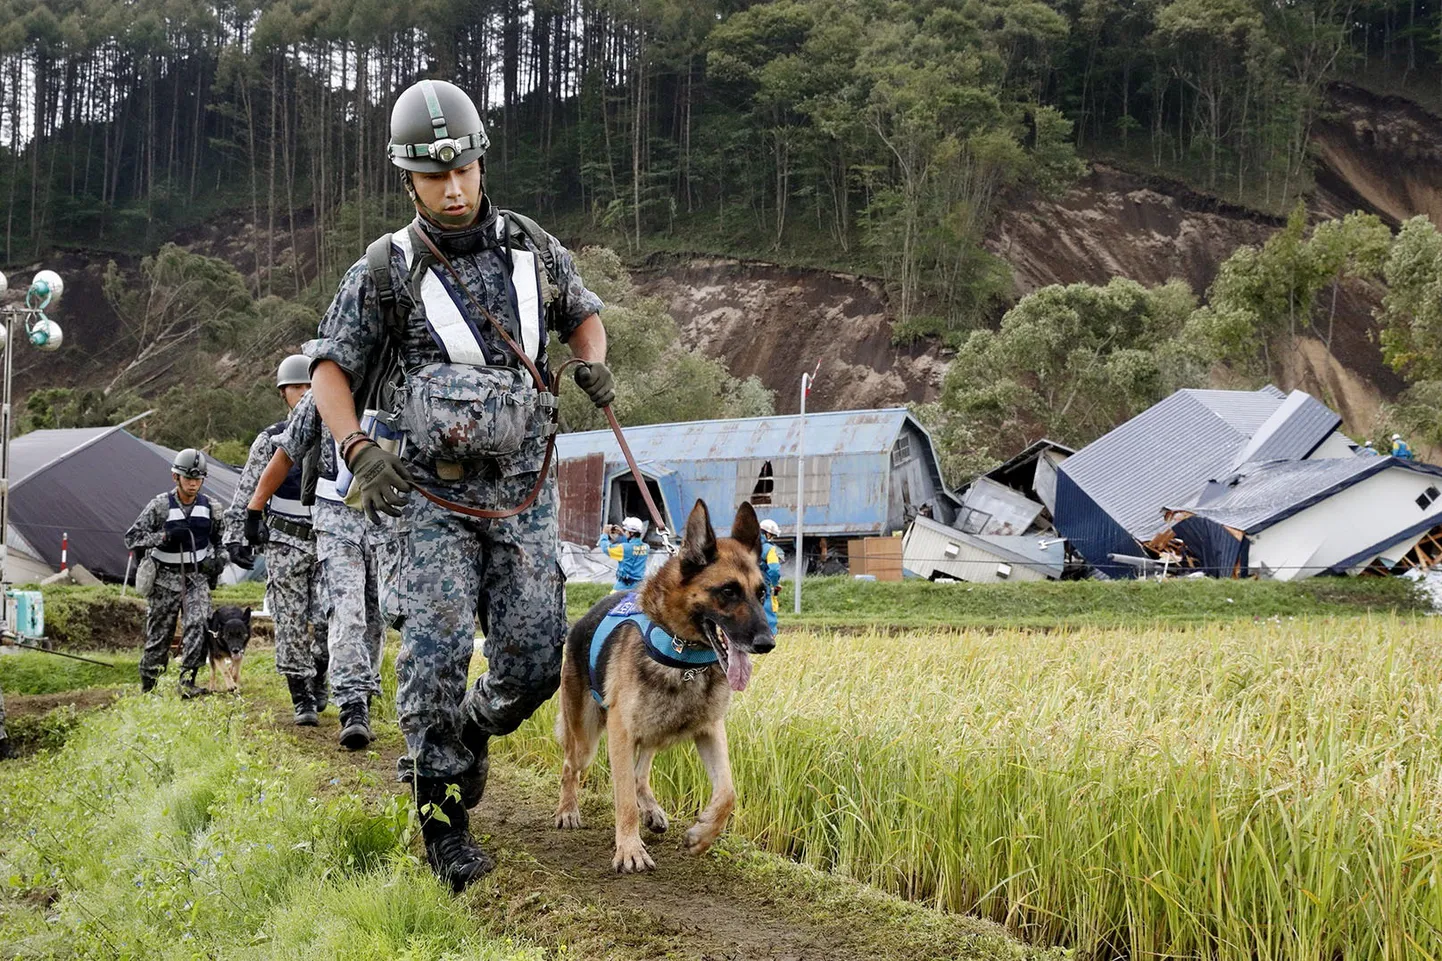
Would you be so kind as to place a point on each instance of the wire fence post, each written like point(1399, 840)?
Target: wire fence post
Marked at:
point(806, 380)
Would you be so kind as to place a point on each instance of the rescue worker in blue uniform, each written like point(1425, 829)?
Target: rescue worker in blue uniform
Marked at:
point(1400, 449)
point(413, 334)
point(629, 552)
point(770, 559)
point(294, 592)
point(184, 539)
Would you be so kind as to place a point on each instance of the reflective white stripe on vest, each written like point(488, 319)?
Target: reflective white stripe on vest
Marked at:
point(290, 508)
point(199, 510)
point(176, 557)
point(444, 314)
point(528, 299)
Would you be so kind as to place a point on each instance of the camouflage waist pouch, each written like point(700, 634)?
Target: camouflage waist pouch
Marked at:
point(459, 413)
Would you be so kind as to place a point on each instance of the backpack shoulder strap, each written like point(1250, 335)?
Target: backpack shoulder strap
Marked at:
point(378, 265)
point(528, 228)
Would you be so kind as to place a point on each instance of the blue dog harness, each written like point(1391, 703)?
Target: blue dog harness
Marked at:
point(662, 647)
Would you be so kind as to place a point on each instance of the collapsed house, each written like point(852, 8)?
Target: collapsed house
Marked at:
point(1244, 483)
point(1004, 528)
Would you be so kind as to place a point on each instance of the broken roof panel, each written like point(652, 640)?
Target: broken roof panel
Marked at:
point(1293, 432)
point(1260, 495)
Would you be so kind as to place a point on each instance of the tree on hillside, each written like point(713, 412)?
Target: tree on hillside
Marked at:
point(1070, 362)
point(181, 298)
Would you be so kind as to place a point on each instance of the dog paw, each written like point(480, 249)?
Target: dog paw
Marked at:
point(699, 838)
point(655, 819)
point(568, 820)
point(631, 858)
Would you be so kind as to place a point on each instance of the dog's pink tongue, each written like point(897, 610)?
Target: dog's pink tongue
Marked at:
point(738, 670)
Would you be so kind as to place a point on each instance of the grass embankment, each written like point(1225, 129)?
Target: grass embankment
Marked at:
point(845, 602)
point(180, 830)
point(1231, 791)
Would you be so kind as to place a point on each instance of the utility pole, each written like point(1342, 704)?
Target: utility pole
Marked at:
point(806, 381)
point(44, 334)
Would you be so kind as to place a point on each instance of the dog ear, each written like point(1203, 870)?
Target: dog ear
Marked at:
point(746, 528)
point(698, 544)
point(247, 617)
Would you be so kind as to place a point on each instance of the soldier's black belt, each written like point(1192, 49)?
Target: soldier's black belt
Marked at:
point(296, 529)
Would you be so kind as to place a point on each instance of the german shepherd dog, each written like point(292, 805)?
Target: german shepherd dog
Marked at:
point(226, 637)
point(707, 596)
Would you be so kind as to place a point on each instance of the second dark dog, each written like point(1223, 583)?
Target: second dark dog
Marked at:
point(226, 638)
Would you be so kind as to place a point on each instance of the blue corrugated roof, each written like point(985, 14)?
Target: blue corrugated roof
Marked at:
point(1293, 431)
point(1164, 454)
point(829, 432)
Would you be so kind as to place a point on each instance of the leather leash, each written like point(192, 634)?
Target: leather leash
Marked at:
point(553, 388)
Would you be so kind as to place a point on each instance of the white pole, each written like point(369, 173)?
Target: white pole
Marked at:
point(800, 493)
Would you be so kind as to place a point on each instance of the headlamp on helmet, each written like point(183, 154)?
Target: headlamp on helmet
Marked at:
point(189, 463)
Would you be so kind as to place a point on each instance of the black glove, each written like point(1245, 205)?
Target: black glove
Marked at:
point(596, 380)
point(383, 479)
point(241, 556)
point(256, 533)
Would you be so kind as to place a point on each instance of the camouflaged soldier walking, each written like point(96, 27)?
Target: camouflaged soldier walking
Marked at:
point(6, 750)
point(281, 527)
point(476, 431)
point(184, 540)
point(348, 545)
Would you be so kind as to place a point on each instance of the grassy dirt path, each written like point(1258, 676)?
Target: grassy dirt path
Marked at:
point(556, 888)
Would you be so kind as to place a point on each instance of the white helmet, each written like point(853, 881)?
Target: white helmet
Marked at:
point(633, 525)
point(1396, 436)
point(771, 528)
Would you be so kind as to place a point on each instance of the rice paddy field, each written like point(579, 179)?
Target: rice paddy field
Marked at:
point(1246, 789)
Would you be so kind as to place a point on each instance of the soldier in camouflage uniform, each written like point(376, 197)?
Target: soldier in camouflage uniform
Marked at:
point(281, 526)
point(348, 545)
point(475, 435)
point(184, 538)
point(6, 751)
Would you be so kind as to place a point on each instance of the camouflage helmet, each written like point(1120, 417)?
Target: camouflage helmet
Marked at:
point(295, 369)
point(434, 128)
point(189, 463)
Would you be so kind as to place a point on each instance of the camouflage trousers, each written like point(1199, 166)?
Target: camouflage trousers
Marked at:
point(296, 598)
point(450, 570)
point(169, 597)
point(347, 545)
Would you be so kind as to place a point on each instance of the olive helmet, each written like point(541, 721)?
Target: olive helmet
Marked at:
point(434, 128)
point(189, 463)
point(295, 369)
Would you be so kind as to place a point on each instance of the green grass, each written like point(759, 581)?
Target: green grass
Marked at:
point(842, 601)
point(176, 830)
point(1234, 791)
point(35, 673)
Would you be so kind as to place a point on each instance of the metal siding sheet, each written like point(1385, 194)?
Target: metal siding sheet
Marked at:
point(1090, 530)
point(1263, 494)
point(580, 481)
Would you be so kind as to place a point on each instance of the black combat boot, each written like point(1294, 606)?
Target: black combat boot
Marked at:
point(355, 725)
point(473, 781)
point(7, 750)
point(188, 687)
point(451, 852)
point(147, 684)
point(320, 686)
point(304, 701)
